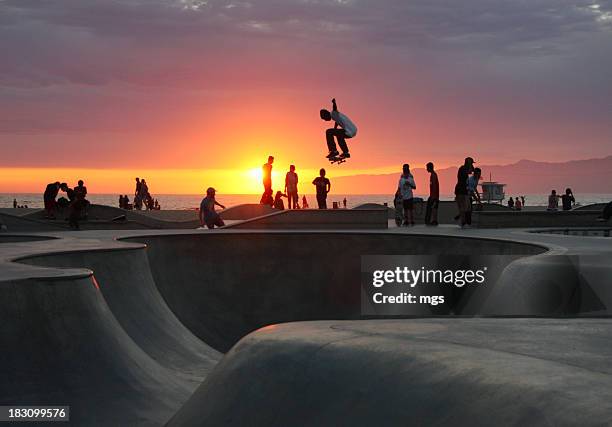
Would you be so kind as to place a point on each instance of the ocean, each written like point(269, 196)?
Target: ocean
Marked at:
point(192, 201)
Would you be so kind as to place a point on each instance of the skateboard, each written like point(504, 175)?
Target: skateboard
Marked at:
point(338, 159)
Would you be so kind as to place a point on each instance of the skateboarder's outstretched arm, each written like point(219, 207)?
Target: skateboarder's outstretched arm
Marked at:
point(335, 108)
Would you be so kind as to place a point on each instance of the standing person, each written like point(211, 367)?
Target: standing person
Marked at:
point(144, 193)
point(323, 186)
point(304, 203)
point(137, 196)
point(14, 203)
point(511, 203)
point(568, 200)
point(121, 202)
point(266, 175)
point(291, 183)
point(523, 200)
point(78, 205)
point(344, 203)
point(343, 129)
point(431, 212)
point(473, 194)
point(461, 190)
point(207, 213)
point(405, 186)
point(49, 199)
point(518, 205)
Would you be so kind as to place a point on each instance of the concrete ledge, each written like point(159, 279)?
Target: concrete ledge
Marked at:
point(526, 219)
point(320, 219)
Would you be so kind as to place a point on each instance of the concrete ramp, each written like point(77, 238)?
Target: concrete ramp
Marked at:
point(437, 372)
point(61, 344)
point(125, 281)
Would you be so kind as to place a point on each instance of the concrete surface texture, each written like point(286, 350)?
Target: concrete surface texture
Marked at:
point(335, 219)
point(126, 330)
point(462, 372)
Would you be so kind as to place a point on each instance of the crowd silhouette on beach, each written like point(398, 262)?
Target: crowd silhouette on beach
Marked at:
point(467, 196)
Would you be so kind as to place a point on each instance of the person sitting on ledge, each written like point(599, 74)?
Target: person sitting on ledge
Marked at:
point(511, 203)
point(518, 205)
point(568, 200)
point(207, 214)
point(553, 201)
point(278, 201)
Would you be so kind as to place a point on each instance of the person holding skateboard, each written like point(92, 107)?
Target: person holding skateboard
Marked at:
point(343, 129)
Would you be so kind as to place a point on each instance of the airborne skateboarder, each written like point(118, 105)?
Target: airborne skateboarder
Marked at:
point(343, 129)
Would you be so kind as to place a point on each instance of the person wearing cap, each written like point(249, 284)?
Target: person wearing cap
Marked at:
point(207, 215)
point(462, 196)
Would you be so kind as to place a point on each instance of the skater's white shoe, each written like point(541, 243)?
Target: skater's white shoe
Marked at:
point(332, 154)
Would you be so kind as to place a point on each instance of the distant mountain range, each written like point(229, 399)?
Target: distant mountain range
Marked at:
point(522, 177)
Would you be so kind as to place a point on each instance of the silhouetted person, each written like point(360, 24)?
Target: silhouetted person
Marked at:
point(523, 200)
point(64, 202)
point(304, 203)
point(207, 214)
point(405, 186)
point(518, 205)
point(343, 129)
point(473, 194)
point(278, 201)
point(553, 201)
point(138, 195)
point(266, 174)
point(78, 205)
point(511, 203)
point(49, 199)
point(462, 196)
point(291, 189)
point(323, 187)
point(431, 211)
point(266, 198)
point(14, 203)
point(126, 202)
point(568, 200)
point(344, 203)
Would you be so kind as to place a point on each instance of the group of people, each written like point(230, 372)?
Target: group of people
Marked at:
point(567, 200)
point(517, 203)
point(466, 193)
point(321, 183)
point(74, 200)
point(142, 198)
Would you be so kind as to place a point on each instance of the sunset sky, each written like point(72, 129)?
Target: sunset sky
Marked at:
point(192, 93)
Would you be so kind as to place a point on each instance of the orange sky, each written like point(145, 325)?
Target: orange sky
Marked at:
point(191, 94)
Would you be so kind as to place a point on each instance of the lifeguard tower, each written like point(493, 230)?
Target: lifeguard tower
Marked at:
point(492, 191)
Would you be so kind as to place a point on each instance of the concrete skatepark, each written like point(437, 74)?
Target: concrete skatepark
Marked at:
point(261, 324)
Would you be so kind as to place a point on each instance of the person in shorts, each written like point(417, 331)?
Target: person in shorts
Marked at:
point(462, 196)
point(323, 186)
point(207, 215)
point(405, 186)
point(291, 183)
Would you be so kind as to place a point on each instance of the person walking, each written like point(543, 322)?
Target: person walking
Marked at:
point(323, 186)
point(431, 211)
